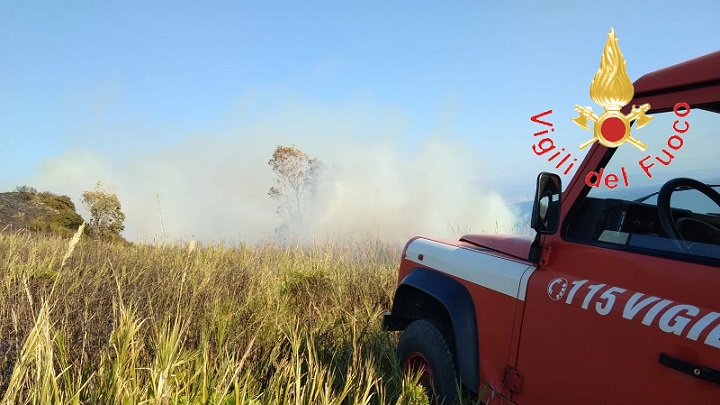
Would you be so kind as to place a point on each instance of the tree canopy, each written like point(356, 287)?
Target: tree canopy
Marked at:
point(296, 177)
point(107, 218)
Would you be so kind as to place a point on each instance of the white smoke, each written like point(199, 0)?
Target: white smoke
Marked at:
point(213, 186)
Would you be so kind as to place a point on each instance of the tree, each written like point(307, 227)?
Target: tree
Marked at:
point(107, 218)
point(297, 177)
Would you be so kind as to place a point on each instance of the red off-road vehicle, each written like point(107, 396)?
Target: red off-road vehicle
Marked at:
point(617, 297)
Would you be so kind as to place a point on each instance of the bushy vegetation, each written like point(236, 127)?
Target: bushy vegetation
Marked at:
point(59, 219)
point(106, 216)
point(191, 324)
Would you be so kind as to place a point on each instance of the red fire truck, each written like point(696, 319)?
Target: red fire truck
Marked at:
point(615, 299)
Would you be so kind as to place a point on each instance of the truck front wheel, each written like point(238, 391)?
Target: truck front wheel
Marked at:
point(424, 348)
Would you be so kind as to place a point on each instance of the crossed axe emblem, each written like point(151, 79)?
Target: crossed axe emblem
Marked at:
point(612, 89)
point(612, 128)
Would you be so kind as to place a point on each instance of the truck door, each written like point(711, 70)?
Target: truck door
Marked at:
point(624, 312)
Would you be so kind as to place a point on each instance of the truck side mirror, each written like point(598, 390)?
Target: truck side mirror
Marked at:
point(546, 207)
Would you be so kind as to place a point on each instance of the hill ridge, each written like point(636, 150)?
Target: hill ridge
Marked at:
point(38, 211)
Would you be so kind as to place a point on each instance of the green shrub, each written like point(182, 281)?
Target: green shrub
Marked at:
point(68, 219)
point(63, 224)
point(60, 202)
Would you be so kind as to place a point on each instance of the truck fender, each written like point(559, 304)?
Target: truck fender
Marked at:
point(418, 296)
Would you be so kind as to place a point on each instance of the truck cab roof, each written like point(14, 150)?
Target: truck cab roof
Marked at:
point(696, 81)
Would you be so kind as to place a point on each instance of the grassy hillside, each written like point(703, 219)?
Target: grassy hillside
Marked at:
point(196, 324)
point(45, 212)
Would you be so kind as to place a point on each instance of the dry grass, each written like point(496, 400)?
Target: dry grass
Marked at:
point(113, 323)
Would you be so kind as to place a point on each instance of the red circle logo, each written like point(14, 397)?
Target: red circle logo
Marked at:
point(613, 129)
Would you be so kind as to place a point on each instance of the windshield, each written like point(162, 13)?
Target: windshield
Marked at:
point(623, 209)
point(692, 154)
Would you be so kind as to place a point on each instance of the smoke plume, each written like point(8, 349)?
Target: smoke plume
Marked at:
point(212, 184)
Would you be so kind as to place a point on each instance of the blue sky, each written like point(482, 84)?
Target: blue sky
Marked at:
point(111, 85)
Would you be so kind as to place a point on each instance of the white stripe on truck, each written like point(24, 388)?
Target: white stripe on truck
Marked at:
point(502, 275)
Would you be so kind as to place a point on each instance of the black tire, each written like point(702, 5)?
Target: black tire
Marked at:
point(424, 344)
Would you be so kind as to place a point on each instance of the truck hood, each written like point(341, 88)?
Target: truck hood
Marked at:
point(513, 245)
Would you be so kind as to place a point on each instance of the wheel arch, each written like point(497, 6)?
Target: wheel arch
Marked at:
point(426, 293)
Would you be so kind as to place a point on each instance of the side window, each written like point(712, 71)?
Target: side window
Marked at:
point(630, 216)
